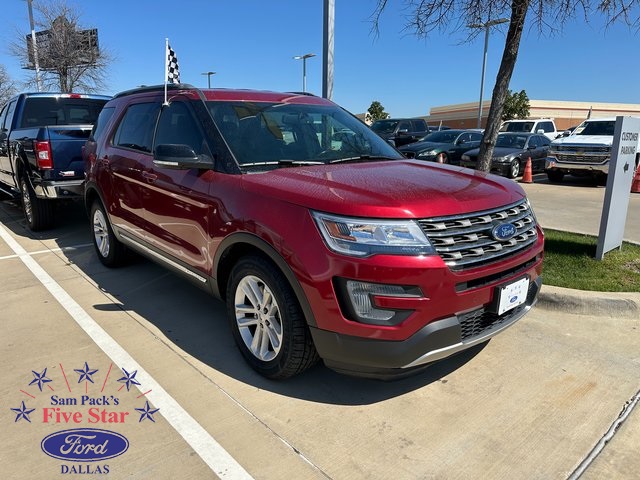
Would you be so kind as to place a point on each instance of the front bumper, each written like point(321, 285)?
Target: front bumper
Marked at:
point(375, 358)
point(551, 163)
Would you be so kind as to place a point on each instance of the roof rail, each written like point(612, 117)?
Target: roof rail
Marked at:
point(303, 93)
point(155, 88)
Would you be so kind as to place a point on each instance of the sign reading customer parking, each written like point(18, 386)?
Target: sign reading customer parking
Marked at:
point(616, 198)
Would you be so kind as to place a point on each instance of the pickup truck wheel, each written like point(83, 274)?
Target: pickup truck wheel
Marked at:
point(267, 321)
point(110, 251)
point(38, 213)
point(555, 176)
point(514, 168)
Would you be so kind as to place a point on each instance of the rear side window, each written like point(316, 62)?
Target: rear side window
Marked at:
point(546, 127)
point(136, 127)
point(419, 125)
point(101, 123)
point(42, 111)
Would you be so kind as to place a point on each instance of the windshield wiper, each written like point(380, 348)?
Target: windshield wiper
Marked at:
point(363, 158)
point(282, 163)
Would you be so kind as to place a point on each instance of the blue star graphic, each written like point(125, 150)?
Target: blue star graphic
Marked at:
point(85, 374)
point(129, 379)
point(40, 378)
point(23, 412)
point(147, 412)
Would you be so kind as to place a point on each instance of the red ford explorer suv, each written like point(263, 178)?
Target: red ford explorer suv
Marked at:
point(323, 240)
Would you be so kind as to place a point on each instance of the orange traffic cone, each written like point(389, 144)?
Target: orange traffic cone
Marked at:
point(635, 185)
point(527, 177)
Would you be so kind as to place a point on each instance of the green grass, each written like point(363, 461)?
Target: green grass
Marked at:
point(570, 262)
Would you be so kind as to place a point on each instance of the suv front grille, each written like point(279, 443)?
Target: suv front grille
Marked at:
point(466, 241)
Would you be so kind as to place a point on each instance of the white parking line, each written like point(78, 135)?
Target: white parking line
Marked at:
point(50, 250)
point(211, 452)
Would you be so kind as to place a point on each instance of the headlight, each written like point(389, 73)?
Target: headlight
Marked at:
point(466, 157)
point(363, 237)
point(427, 153)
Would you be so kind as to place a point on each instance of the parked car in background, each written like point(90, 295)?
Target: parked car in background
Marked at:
point(41, 139)
point(445, 146)
point(544, 126)
point(322, 239)
point(401, 131)
point(511, 152)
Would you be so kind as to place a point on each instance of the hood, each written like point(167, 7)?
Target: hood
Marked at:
point(420, 146)
point(387, 189)
point(577, 140)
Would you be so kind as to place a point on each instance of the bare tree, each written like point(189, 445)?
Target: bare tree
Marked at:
point(549, 16)
point(7, 86)
point(69, 56)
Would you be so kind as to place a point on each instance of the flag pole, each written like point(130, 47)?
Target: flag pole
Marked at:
point(166, 67)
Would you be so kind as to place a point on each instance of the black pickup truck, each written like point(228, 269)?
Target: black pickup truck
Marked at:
point(41, 140)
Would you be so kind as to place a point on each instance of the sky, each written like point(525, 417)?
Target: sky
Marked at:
point(251, 44)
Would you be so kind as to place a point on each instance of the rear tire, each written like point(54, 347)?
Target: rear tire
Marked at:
point(266, 320)
point(38, 213)
point(110, 251)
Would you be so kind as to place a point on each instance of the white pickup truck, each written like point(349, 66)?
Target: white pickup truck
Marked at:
point(586, 152)
point(544, 126)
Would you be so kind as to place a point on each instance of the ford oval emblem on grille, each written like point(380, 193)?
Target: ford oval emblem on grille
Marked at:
point(84, 445)
point(504, 232)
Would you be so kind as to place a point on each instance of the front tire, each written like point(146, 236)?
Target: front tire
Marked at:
point(266, 320)
point(555, 176)
point(110, 251)
point(442, 158)
point(38, 213)
point(514, 168)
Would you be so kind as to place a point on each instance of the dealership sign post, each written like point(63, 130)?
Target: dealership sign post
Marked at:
point(616, 199)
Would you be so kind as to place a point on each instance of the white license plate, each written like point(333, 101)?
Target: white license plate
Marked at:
point(512, 295)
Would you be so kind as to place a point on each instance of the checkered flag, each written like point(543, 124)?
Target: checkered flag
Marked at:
point(173, 73)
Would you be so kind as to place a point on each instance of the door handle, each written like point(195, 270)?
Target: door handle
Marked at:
point(149, 177)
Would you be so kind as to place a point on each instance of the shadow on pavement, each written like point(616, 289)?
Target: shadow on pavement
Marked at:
point(196, 323)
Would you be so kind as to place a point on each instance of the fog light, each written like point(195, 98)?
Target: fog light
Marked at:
point(361, 298)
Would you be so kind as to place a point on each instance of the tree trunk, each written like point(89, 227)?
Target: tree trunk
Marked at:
point(512, 44)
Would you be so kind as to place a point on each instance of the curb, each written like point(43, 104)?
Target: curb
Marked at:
point(582, 302)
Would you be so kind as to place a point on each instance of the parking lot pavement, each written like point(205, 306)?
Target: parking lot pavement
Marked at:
point(576, 205)
point(532, 403)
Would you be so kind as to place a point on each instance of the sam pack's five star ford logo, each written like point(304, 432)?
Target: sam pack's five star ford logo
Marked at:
point(94, 405)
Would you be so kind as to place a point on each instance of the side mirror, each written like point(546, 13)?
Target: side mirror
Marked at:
point(180, 157)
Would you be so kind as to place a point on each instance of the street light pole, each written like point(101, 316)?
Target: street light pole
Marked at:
point(208, 74)
point(304, 68)
point(486, 25)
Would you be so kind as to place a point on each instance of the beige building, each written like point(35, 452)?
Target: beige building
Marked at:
point(564, 114)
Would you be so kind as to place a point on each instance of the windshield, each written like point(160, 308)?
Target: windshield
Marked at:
point(384, 126)
point(511, 141)
point(441, 137)
point(295, 134)
point(604, 127)
point(517, 127)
